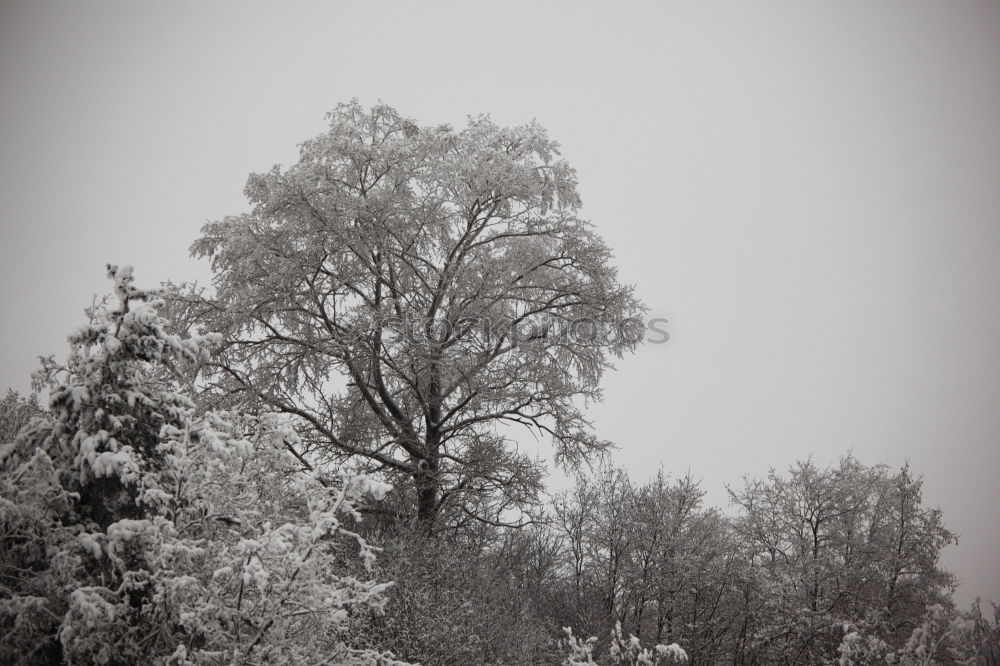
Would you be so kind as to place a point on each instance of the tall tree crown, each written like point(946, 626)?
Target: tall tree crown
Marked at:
point(446, 276)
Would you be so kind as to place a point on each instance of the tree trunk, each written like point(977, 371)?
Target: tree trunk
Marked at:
point(427, 494)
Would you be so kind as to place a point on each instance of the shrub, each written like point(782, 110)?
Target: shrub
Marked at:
point(136, 531)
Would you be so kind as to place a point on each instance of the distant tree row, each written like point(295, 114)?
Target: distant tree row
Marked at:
point(808, 557)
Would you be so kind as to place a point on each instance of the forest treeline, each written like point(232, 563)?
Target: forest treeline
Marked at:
point(313, 461)
point(836, 565)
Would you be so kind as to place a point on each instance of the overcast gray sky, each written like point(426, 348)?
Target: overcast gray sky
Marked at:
point(809, 192)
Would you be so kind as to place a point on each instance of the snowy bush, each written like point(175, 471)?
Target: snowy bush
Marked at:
point(137, 531)
point(621, 650)
point(453, 604)
point(15, 412)
point(861, 647)
point(944, 636)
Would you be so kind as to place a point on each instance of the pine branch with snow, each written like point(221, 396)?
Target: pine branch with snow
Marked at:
point(137, 530)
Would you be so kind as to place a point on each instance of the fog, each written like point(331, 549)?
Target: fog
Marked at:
point(807, 193)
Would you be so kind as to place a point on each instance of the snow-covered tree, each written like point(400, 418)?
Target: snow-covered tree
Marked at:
point(405, 291)
point(648, 557)
point(843, 545)
point(16, 411)
point(135, 530)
